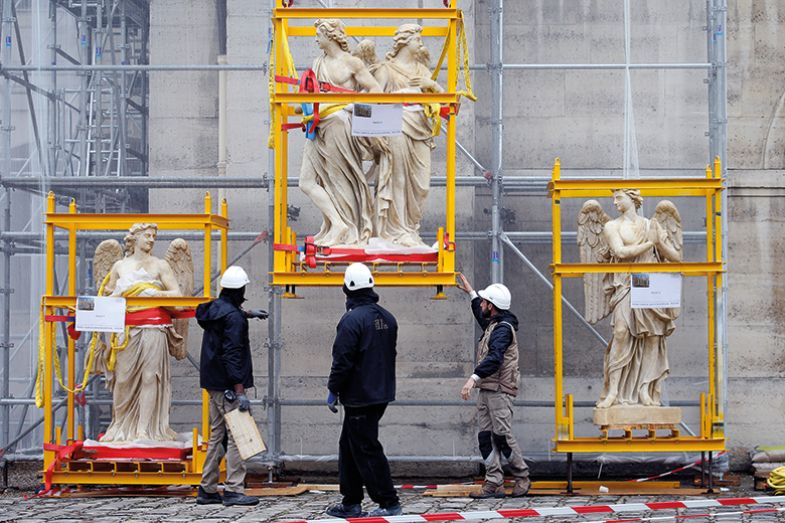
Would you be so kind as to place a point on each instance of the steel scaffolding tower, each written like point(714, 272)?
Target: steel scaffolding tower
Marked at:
point(94, 148)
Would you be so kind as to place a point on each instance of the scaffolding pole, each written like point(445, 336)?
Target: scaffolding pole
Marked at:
point(716, 29)
point(7, 24)
point(497, 145)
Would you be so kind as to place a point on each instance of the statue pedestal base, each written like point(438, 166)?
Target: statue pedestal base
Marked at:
point(626, 415)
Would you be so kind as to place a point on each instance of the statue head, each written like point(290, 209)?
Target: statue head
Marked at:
point(141, 235)
point(633, 195)
point(331, 30)
point(410, 35)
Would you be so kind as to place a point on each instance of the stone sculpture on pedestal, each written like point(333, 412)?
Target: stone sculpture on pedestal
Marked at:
point(332, 174)
point(636, 358)
point(403, 171)
point(136, 364)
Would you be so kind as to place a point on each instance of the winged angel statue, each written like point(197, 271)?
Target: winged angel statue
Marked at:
point(136, 363)
point(636, 359)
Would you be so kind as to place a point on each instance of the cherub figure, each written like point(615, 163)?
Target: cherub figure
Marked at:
point(636, 359)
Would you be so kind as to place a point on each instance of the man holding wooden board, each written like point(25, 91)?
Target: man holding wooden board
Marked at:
point(226, 371)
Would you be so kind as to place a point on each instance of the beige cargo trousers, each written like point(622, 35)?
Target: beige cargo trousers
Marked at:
point(235, 466)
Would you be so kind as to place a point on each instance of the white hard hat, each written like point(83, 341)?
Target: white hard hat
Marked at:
point(234, 278)
point(497, 294)
point(358, 276)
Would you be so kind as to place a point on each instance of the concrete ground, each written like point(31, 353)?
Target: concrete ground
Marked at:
point(14, 507)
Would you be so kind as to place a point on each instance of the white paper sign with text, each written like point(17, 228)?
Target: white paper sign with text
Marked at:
point(377, 120)
point(100, 314)
point(656, 290)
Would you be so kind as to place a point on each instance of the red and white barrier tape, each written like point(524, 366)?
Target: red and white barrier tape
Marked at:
point(712, 515)
point(557, 511)
point(676, 470)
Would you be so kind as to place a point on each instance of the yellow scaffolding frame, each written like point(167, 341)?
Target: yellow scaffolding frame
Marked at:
point(712, 435)
point(122, 472)
point(288, 269)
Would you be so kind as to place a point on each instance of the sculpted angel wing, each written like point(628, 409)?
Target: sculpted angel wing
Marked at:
point(593, 249)
point(178, 255)
point(106, 255)
point(667, 217)
point(366, 51)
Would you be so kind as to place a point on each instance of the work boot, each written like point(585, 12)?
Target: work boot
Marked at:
point(235, 498)
point(207, 498)
point(489, 490)
point(380, 512)
point(521, 487)
point(346, 511)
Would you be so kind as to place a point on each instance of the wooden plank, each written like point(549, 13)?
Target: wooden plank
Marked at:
point(245, 433)
point(584, 488)
point(277, 491)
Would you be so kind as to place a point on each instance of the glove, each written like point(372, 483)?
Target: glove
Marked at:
point(256, 313)
point(332, 401)
point(245, 403)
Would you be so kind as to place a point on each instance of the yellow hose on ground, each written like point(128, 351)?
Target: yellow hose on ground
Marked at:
point(777, 480)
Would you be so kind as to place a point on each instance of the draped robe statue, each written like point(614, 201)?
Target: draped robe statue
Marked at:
point(332, 174)
point(136, 363)
point(404, 172)
point(636, 358)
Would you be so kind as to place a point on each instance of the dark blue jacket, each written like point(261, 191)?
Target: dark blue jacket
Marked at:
point(363, 369)
point(226, 350)
point(501, 338)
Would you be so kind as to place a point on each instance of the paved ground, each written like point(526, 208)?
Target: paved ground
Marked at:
point(13, 507)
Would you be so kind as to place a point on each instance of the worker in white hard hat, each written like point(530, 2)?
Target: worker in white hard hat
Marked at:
point(496, 375)
point(362, 378)
point(226, 372)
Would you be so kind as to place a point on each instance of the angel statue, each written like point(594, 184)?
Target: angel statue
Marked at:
point(636, 358)
point(403, 173)
point(136, 363)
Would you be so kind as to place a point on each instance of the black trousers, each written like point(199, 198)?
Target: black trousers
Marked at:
point(361, 459)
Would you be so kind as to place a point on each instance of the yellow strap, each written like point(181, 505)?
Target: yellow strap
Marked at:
point(271, 90)
point(464, 45)
point(134, 290)
point(432, 111)
point(325, 110)
point(88, 368)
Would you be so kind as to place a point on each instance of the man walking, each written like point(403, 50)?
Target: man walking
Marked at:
point(226, 371)
point(496, 375)
point(363, 379)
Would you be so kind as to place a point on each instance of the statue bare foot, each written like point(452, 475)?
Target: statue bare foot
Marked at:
point(646, 399)
point(609, 400)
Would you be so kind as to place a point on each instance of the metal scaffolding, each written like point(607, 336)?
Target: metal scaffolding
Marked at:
point(94, 148)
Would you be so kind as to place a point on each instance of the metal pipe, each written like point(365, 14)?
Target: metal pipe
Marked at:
point(122, 102)
point(533, 237)
point(98, 95)
point(497, 142)
point(263, 67)
point(461, 403)
point(274, 324)
point(7, 129)
point(547, 282)
point(84, 57)
point(697, 65)
point(397, 403)
point(52, 101)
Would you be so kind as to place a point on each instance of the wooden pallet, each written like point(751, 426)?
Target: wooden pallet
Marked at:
point(582, 488)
